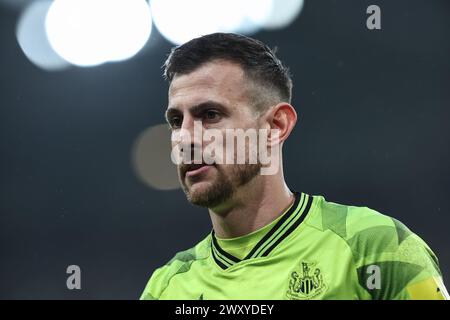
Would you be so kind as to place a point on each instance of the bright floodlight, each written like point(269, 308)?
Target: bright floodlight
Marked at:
point(182, 20)
point(91, 32)
point(283, 13)
point(33, 40)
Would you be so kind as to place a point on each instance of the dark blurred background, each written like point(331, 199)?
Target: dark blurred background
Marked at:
point(374, 108)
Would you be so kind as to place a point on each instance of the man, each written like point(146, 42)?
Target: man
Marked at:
point(269, 242)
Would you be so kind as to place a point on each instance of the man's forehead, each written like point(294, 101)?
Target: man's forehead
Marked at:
point(210, 75)
point(187, 98)
point(221, 81)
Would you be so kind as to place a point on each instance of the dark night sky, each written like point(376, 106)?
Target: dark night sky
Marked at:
point(374, 109)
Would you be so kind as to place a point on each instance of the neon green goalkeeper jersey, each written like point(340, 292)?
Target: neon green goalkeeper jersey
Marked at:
point(315, 250)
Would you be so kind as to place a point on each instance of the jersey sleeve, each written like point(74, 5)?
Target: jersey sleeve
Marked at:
point(154, 286)
point(393, 263)
point(160, 279)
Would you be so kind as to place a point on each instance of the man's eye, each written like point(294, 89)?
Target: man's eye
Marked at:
point(211, 115)
point(175, 122)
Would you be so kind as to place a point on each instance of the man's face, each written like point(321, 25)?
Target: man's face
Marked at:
point(217, 95)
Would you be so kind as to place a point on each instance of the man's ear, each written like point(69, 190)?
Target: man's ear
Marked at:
point(283, 118)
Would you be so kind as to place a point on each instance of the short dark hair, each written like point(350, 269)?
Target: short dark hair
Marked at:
point(258, 61)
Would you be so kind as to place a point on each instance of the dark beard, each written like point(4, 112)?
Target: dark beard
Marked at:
point(224, 187)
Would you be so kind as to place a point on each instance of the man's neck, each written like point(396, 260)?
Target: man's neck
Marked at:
point(256, 204)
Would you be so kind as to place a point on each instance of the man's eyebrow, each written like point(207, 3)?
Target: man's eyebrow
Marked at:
point(197, 109)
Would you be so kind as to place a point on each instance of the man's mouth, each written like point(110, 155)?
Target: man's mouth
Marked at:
point(196, 169)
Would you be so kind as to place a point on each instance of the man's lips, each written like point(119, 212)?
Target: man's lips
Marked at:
point(196, 169)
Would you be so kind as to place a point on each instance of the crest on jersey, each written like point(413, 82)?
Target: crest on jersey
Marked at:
point(305, 282)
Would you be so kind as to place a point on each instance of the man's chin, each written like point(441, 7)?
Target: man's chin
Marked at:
point(206, 194)
point(199, 189)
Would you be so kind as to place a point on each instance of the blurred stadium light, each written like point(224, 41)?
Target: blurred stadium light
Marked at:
point(92, 32)
point(151, 160)
point(181, 20)
point(283, 13)
point(32, 37)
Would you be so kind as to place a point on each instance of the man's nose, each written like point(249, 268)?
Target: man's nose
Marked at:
point(191, 134)
point(191, 130)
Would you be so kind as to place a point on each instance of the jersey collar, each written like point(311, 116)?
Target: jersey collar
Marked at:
point(284, 227)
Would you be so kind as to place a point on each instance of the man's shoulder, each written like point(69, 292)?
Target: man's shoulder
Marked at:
point(371, 235)
point(359, 226)
point(180, 263)
point(182, 260)
point(197, 252)
point(379, 242)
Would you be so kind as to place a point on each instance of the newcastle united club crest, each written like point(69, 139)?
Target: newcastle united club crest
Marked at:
point(305, 282)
